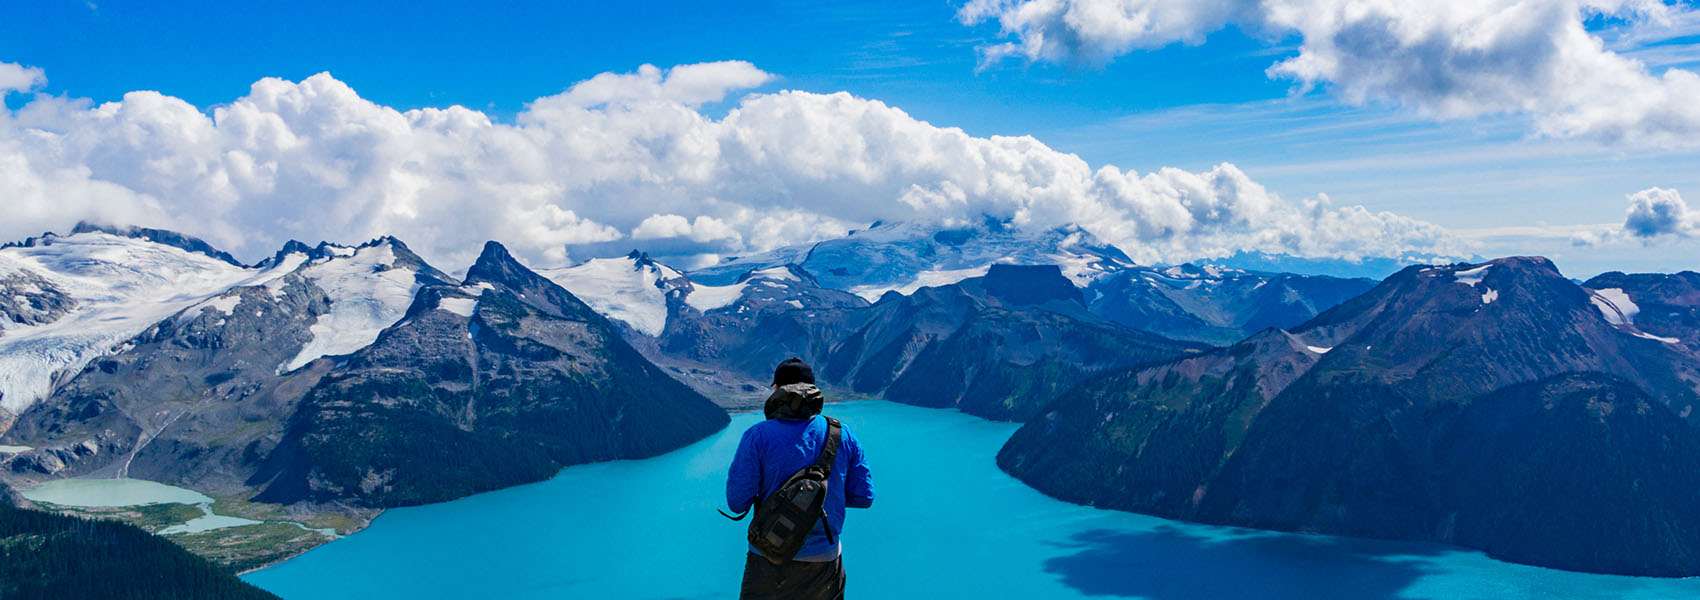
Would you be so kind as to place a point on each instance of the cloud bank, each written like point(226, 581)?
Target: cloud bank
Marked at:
point(618, 158)
point(1445, 60)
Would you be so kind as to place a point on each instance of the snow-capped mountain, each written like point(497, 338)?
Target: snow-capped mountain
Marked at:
point(904, 257)
point(369, 288)
point(72, 298)
point(494, 381)
point(632, 290)
point(648, 296)
point(1212, 304)
point(1196, 302)
point(131, 352)
point(230, 390)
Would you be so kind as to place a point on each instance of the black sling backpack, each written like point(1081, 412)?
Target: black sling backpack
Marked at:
point(783, 521)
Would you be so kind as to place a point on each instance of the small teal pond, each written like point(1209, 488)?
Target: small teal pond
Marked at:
point(946, 524)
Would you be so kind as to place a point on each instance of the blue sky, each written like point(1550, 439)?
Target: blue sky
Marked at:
point(914, 55)
point(1152, 103)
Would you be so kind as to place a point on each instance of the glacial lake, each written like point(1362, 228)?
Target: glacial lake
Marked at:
point(946, 523)
point(135, 492)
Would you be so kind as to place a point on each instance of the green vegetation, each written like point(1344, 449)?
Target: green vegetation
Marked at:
point(249, 547)
point(240, 506)
point(151, 517)
point(236, 549)
point(46, 555)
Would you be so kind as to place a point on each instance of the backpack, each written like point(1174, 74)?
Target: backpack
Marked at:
point(783, 521)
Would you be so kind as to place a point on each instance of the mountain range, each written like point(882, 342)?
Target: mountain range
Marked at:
point(867, 305)
point(1499, 406)
point(347, 379)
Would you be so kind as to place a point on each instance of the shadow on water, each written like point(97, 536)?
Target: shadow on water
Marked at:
point(1172, 563)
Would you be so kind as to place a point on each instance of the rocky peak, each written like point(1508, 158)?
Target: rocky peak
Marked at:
point(496, 266)
point(499, 269)
point(289, 247)
point(640, 258)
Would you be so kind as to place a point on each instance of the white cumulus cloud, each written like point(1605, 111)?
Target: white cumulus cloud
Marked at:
point(1655, 212)
point(19, 78)
point(1446, 60)
point(619, 160)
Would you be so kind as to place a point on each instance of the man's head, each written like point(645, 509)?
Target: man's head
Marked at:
point(793, 370)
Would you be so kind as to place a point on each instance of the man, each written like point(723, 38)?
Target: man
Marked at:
point(773, 450)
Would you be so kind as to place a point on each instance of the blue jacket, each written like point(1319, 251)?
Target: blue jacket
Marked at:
point(773, 450)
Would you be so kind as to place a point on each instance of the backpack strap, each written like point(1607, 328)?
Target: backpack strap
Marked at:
point(829, 450)
point(828, 453)
point(741, 515)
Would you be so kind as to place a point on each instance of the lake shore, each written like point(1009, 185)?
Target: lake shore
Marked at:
point(558, 538)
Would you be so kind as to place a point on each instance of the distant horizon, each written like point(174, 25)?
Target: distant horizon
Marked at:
point(1375, 268)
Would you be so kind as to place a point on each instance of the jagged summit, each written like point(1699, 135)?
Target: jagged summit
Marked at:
point(505, 370)
point(289, 248)
point(496, 265)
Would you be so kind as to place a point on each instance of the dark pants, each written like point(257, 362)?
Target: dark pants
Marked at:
point(794, 580)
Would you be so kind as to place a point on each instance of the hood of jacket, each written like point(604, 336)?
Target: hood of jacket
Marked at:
point(794, 401)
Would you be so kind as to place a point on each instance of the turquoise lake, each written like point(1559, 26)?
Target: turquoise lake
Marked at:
point(946, 523)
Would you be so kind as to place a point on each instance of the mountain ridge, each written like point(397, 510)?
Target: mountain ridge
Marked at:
point(1333, 428)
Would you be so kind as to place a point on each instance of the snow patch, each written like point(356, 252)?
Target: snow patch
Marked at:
point(1607, 302)
point(1490, 296)
point(368, 294)
point(1643, 334)
point(1319, 349)
point(775, 273)
point(289, 264)
point(1472, 276)
point(225, 304)
point(460, 306)
point(923, 279)
point(709, 297)
point(619, 289)
point(795, 303)
point(1620, 301)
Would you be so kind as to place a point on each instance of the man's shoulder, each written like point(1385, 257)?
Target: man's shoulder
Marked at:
point(770, 425)
point(849, 435)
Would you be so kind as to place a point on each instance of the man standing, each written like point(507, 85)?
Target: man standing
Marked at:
point(770, 452)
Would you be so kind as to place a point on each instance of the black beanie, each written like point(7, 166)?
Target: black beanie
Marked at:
point(793, 370)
